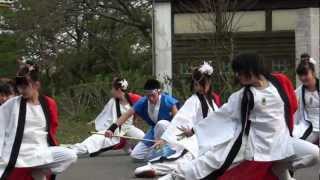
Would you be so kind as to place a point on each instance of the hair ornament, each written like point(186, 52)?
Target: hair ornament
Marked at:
point(206, 68)
point(313, 61)
point(124, 84)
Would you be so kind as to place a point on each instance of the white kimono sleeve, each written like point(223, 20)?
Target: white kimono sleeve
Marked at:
point(300, 116)
point(106, 117)
point(299, 113)
point(220, 126)
point(2, 128)
point(186, 117)
point(4, 121)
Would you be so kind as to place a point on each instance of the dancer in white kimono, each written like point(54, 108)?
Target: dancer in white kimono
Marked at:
point(119, 104)
point(255, 124)
point(308, 115)
point(179, 134)
point(28, 131)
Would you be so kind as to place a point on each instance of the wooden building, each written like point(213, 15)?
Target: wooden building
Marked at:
point(280, 30)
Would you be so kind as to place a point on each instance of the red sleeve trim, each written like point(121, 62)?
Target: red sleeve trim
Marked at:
point(217, 99)
point(289, 89)
point(53, 109)
point(134, 97)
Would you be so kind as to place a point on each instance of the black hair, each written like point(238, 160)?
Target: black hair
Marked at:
point(29, 70)
point(304, 56)
point(304, 67)
point(152, 84)
point(250, 64)
point(116, 83)
point(7, 87)
point(202, 79)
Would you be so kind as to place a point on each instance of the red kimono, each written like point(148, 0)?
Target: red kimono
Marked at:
point(251, 170)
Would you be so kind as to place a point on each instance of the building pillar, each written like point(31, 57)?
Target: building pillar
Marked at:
point(162, 42)
point(307, 34)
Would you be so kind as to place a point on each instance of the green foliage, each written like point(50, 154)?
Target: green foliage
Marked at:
point(81, 103)
point(9, 49)
point(92, 96)
point(72, 130)
point(80, 46)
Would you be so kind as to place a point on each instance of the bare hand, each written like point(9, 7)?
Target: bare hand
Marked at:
point(159, 144)
point(108, 134)
point(186, 132)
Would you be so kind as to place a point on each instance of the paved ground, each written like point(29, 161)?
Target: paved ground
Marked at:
point(109, 166)
point(118, 166)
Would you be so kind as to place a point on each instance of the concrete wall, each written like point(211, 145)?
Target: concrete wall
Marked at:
point(204, 23)
point(307, 34)
point(249, 21)
point(284, 19)
point(243, 21)
point(193, 23)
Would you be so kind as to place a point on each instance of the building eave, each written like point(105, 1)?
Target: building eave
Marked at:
point(257, 5)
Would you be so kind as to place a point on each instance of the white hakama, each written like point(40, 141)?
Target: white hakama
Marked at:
point(268, 139)
point(105, 119)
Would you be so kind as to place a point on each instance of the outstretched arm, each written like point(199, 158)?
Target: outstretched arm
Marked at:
point(125, 117)
point(120, 121)
point(174, 110)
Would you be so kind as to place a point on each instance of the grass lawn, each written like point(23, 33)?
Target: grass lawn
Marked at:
point(72, 131)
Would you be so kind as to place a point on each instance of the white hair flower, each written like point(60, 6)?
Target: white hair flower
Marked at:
point(31, 68)
point(124, 84)
point(206, 68)
point(313, 61)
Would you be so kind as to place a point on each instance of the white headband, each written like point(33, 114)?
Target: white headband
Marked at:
point(154, 91)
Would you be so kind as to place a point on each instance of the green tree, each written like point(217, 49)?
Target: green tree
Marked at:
point(9, 50)
point(74, 41)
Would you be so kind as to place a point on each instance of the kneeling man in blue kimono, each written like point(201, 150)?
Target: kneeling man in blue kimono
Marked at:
point(156, 109)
